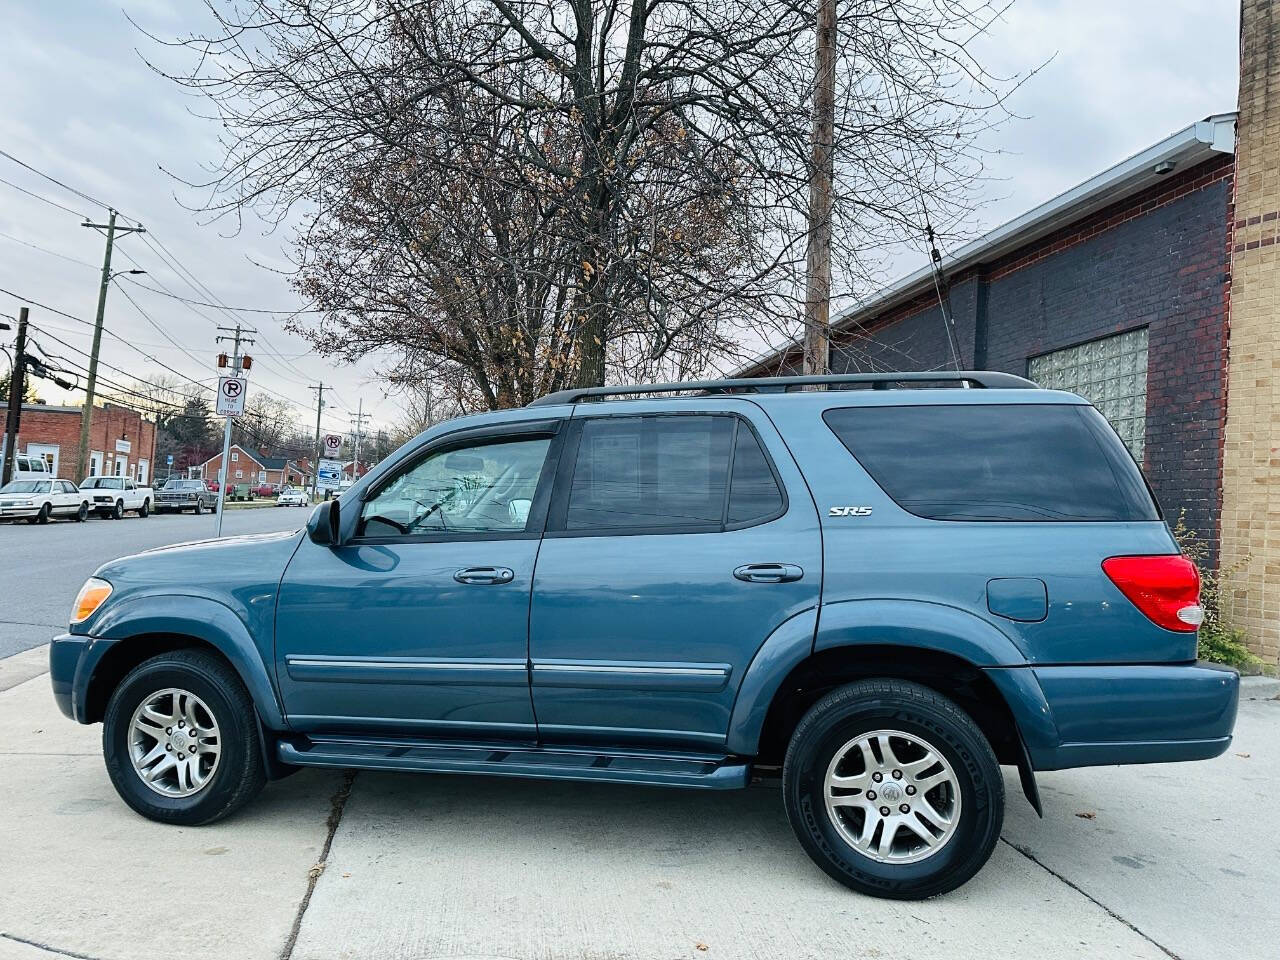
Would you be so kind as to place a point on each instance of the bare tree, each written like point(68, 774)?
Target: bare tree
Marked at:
point(518, 195)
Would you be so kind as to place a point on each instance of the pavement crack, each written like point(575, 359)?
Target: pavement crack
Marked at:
point(45, 947)
point(337, 805)
point(1092, 899)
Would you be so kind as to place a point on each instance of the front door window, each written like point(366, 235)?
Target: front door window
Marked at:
point(474, 490)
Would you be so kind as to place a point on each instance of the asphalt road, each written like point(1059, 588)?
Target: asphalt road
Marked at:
point(42, 567)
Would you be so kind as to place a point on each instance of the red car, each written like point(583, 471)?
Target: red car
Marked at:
point(265, 490)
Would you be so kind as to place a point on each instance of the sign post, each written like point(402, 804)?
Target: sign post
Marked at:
point(232, 392)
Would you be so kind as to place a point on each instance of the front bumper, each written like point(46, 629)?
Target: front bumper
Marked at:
point(15, 513)
point(72, 660)
point(1092, 715)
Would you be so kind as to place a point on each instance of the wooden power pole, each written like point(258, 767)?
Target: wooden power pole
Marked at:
point(817, 304)
point(17, 387)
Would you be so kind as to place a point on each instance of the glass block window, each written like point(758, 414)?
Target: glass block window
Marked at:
point(1111, 373)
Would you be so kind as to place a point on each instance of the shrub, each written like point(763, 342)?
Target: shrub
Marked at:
point(1219, 641)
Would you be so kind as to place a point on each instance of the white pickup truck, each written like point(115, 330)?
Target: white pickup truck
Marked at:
point(112, 496)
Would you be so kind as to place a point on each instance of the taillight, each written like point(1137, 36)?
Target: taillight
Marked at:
point(1166, 588)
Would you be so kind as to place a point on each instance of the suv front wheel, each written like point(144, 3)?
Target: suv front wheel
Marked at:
point(180, 740)
point(893, 790)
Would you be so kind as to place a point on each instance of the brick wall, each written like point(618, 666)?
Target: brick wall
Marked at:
point(1159, 260)
point(1251, 455)
point(60, 427)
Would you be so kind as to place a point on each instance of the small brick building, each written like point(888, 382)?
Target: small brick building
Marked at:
point(1153, 290)
point(122, 442)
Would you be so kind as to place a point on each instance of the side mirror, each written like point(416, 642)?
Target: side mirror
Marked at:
point(323, 525)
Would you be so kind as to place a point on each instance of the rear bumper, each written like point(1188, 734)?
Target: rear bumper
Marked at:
point(72, 660)
point(1080, 716)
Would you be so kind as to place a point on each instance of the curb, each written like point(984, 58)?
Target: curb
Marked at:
point(1259, 688)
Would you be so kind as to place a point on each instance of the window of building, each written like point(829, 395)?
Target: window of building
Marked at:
point(996, 461)
point(235, 456)
point(1111, 373)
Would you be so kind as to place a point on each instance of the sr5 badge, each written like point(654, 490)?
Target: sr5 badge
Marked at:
point(849, 512)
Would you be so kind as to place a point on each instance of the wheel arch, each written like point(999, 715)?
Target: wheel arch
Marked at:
point(942, 647)
point(144, 626)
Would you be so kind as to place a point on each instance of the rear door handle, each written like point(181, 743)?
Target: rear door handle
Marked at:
point(768, 572)
point(485, 575)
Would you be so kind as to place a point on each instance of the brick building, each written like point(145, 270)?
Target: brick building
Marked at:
point(252, 466)
point(122, 442)
point(246, 466)
point(1152, 289)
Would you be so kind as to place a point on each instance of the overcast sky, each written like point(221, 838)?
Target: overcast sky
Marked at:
point(77, 102)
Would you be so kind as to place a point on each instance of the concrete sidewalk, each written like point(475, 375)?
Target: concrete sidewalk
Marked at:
point(1142, 862)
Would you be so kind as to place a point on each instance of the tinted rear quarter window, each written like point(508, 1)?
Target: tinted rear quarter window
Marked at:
point(997, 462)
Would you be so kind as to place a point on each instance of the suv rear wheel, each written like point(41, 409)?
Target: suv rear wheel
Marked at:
point(180, 741)
point(893, 790)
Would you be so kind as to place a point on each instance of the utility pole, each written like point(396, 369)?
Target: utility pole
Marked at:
point(315, 464)
point(358, 425)
point(817, 303)
point(17, 387)
point(236, 335)
point(86, 414)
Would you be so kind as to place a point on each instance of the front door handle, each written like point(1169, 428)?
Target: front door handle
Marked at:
point(485, 575)
point(768, 572)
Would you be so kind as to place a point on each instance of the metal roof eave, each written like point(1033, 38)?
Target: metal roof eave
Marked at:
point(1189, 146)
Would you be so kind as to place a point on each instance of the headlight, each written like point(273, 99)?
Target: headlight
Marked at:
point(89, 599)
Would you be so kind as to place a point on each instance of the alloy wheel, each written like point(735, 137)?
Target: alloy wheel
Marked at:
point(174, 742)
point(893, 796)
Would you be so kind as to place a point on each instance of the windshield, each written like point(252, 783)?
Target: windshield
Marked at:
point(103, 483)
point(26, 486)
point(184, 485)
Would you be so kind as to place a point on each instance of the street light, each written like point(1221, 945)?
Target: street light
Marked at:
point(119, 273)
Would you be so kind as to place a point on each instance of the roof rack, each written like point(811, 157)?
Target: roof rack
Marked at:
point(988, 379)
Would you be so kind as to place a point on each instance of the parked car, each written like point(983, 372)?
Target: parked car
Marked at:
point(180, 493)
point(30, 468)
point(266, 490)
point(213, 485)
point(113, 496)
point(38, 501)
point(293, 497)
point(883, 594)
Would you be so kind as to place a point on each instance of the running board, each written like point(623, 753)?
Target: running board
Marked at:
point(698, 771)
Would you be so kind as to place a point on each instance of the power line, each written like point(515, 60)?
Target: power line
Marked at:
point(54, 180)
point(52, 203)
point(52, 253)
point(215, 306)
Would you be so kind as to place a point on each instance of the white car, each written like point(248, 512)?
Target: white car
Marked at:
point(30, 467)
point(38, 501)
point(293, 497)
point(112, 496)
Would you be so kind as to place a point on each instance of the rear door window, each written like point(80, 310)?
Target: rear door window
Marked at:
point(669, 474)
point(997, 462)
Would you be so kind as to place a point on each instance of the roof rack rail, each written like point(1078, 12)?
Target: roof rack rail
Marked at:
point(988, 379)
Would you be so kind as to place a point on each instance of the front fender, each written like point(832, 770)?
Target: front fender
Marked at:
point(205, 619)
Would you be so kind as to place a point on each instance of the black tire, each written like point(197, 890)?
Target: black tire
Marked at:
point(239, 775)
point(83, 513)
point(117, 512)
point(871, 705)
point(144, 509)
point(198, 508)
point(45, 512)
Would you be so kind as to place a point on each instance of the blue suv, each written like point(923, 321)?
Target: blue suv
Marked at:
point(880, 589)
